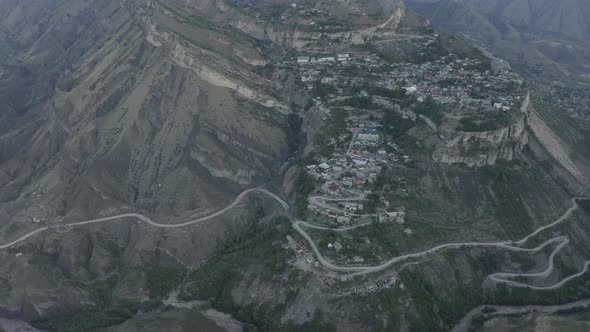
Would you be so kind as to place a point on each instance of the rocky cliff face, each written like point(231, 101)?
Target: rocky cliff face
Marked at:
point(177, 119)
point(487, 147)
point(113, 106)
point(386, 29)
point(168, 108)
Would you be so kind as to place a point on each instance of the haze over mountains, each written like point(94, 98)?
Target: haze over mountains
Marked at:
point(540, 35)
point(546, 41)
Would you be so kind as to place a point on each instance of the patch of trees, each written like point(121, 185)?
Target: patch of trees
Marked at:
point(430, 109)
point(323, 90)
point(480, 66)
point(161, 280)
point(451, 81)
point(371, 203)
point(394, 125)
point(91, 319)
point(584, 204)
point(257, 254)
point(304, 186)
point(356, 102)
point(260, 244)
point(334, 127)
point(432, 52)
point(397, 93)
point(466, 51)
point(489, 121)
point(438, 309)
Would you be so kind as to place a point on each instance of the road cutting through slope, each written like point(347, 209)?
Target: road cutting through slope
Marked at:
point(499, 277)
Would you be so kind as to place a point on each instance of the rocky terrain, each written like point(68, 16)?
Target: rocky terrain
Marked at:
point(546, 42)
point(486, 147)
point(112, 107)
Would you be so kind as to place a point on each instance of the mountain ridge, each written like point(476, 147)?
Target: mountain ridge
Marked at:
point(550, 35)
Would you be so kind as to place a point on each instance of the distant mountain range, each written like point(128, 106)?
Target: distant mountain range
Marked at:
point(543, 36)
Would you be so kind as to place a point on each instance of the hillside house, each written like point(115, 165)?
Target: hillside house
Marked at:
point(343, 57)
point(360, 180)
point(303, 59)
point(368, 135)
point(396, 214)
point(343, 219)
point(326, 59)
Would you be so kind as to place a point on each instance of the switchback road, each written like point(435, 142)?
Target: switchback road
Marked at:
point(363, 270)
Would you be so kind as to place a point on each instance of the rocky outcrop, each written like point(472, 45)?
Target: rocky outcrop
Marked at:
point(147, 105)
point(206, 63)
point(486, 147)
point(387, 29)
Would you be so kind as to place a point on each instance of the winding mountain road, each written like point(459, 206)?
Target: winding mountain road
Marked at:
point(503, 276)
point(149, 221)
point(499, 277)
point(504, 310)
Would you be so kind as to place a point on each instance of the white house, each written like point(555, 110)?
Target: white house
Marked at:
point(326, 59)
point(368, 135)
point(303, 59)
point(360, 162)
point(343, 57)
point(411, 89)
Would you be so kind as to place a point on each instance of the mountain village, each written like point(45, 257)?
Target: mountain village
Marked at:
point(357, 94)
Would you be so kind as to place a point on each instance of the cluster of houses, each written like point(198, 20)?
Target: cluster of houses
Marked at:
point(356, 164)
point(301, 252)
point(341, 174)
point(448, 80)
point(575, 102)
point(351, 173)
point(313, 59)
point(394, 214)
point(361, 154)
point(451, 80)
point(378, 284)
point(312, 68)
point(369, 145)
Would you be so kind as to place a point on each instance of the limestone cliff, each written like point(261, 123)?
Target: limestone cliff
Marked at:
point(486, 147)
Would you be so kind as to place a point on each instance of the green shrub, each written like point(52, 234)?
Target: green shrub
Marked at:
point(160, 281)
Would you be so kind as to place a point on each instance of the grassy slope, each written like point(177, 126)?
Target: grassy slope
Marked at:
point(575, 133)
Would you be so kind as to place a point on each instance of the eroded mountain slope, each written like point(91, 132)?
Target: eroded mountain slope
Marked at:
point(134, 112)
point(112, 107)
